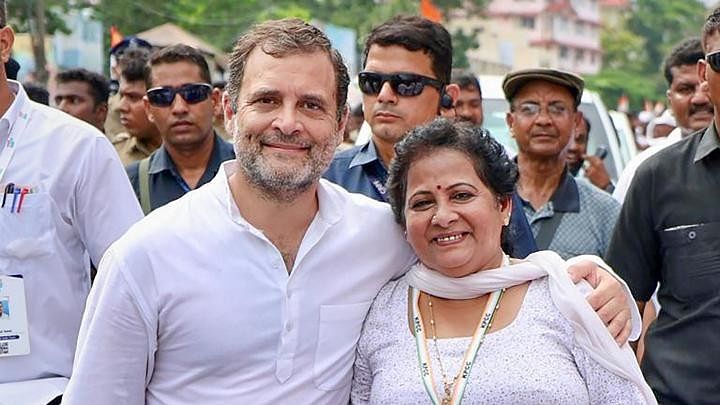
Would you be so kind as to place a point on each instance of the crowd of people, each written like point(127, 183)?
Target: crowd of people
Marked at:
point(187, 241)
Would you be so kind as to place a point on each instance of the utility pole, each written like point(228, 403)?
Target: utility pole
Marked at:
point(36, 10)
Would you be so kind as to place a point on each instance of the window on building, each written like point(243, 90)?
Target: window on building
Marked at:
point(579, 28)
point(527, 22)
point(563, 52)
point(579, 55)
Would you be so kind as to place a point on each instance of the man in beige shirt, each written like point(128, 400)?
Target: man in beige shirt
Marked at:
point(141, 137)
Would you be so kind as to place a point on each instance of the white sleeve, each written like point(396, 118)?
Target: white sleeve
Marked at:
point(105, 205)
point(115, 349)
point(634, 313)
point(604, 387)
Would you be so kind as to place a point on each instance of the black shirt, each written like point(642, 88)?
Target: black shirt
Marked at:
point(669, 232)
point(165, 181)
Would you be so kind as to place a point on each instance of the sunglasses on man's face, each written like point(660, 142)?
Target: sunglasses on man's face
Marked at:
point(713, 59)
point(403, 84)
point(192, 94)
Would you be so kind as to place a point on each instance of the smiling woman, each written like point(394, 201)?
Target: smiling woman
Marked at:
point(468, 323)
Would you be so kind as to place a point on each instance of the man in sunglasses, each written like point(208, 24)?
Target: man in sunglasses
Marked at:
point(180, 101)
point(669, 233)
point(569, 216)
point(407, 64)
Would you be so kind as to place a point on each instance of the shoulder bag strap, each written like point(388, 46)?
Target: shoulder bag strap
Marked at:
point(144, 183)
point(547, 230)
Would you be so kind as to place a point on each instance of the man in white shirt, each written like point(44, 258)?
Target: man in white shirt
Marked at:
point(252, 289)
point(66, 199)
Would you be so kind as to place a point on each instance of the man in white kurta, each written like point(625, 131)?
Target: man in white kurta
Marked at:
point(252, 289)
point(194, 304)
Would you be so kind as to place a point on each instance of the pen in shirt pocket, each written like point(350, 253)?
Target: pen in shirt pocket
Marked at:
point(18, 197)
point(9, 189)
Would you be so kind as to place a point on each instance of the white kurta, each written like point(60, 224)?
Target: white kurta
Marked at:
point(194, 304)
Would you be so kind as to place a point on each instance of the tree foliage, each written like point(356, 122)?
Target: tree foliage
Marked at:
point(21, 15)
point(634, 51)
point(220, 21)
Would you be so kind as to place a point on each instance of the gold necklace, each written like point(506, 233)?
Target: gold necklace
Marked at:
point(448, 386)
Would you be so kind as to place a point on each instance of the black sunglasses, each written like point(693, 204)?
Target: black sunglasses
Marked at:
point(713, 59)
point(403, 84)
point(192, 93)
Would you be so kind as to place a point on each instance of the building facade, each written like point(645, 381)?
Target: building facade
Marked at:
point(515, 34)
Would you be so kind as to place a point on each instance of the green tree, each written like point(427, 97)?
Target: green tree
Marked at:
point(634, 51)
point(664, 23)
point(463, 42)
point(221, 21)
point(39, 18)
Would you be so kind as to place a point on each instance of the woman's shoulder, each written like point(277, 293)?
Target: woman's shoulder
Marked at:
point(540, 308)
point(387, 316)
point(392, 294)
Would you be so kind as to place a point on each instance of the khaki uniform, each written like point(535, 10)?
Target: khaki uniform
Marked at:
point(129, 149)
point(112, 122)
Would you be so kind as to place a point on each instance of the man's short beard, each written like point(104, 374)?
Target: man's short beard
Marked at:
point(281, 184)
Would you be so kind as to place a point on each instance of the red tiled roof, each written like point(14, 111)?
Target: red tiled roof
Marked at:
point(560, 5)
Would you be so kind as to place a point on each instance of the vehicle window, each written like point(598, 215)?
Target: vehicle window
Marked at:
point(494, 111)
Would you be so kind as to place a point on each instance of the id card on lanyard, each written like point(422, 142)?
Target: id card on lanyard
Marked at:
point(14, 337)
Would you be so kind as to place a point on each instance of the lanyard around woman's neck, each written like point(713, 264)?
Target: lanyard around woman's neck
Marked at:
point(470, 353)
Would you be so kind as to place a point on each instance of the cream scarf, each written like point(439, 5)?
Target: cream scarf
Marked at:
point(590, 332)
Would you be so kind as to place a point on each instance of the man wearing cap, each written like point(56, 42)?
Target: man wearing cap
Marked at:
point(567, 215)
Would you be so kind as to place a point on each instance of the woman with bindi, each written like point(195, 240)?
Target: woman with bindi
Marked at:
point(468, 323)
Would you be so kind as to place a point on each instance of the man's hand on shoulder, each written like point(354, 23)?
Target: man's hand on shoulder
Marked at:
point(608, 298)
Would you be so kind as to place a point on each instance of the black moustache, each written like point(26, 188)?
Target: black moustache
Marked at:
point(702, 108)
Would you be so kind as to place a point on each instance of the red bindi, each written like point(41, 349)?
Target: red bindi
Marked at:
point(438, 187)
